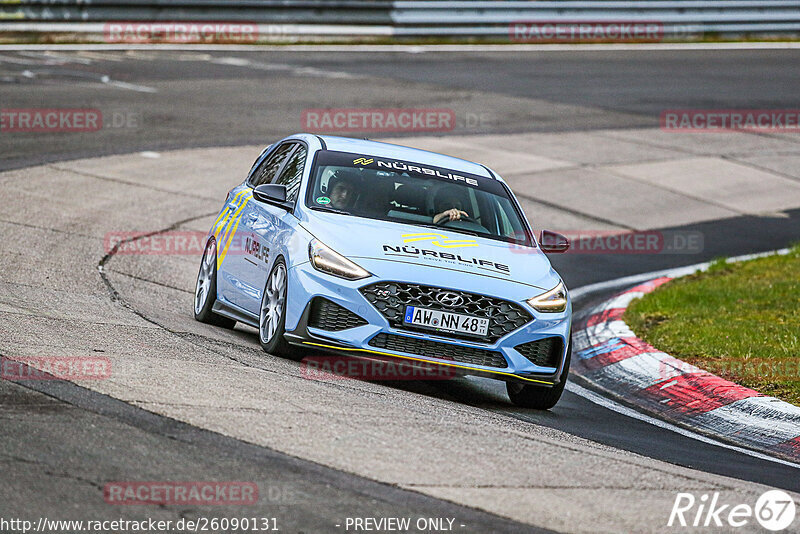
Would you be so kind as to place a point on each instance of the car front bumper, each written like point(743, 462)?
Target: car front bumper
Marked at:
point(306, 283)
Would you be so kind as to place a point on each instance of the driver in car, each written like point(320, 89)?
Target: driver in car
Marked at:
point(343, 192)
point(448, 206)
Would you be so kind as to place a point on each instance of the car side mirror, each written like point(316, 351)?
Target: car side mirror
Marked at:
point(274, 194)
point(553, 242)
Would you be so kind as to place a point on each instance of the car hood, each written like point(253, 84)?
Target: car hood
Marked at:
point(419, 246)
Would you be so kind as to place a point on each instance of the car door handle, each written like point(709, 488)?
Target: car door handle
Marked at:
point(250, 219)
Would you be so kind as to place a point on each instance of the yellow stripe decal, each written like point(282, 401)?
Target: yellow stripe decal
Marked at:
point(230, 239)
point(443, 242)
point(411, 238)
point(221, 213)
point(224, 211)
point(353, 349)
point(230, 232)
point(226, 224)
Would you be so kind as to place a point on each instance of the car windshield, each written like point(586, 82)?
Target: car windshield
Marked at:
point(414, 193)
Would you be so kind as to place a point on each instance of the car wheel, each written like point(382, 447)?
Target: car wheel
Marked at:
point(537, 397)
point(272, 316)
point(205, 290)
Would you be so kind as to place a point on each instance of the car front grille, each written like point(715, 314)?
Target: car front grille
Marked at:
point(328, 315)
point(544, 352)
point(434, 349)
point(391, 299)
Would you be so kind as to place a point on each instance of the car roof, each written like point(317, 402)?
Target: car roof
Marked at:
point(389, 150)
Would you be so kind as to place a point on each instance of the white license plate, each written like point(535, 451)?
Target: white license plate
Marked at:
point(446, 321)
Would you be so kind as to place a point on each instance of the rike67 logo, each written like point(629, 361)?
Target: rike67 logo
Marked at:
point(774, 511)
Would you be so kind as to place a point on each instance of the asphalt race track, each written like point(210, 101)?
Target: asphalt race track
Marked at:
point(193, 402)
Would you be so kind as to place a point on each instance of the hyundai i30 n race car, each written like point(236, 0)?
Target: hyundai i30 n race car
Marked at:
point(374, 249)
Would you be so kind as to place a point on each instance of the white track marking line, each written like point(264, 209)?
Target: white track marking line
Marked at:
point(130, 86)
point(104, 79)
point(295, 70)
point(417, 49)
point(600, 400)
point(27, 62)
point(73, 58)
point(232, 61)
point(88, 54)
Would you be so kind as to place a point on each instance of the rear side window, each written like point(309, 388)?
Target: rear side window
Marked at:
point(266, 172)
point(292, 173)
point(253, 166)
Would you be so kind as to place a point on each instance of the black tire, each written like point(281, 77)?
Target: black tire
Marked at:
point(537, 397)
point(276, 344)
point(203, 311)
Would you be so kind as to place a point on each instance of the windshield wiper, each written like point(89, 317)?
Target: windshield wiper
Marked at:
point(330, 210)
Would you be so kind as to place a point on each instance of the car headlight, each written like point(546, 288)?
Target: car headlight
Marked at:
point(327, 260)
point(551, 301)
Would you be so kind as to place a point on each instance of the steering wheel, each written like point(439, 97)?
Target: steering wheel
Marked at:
point(463, 218)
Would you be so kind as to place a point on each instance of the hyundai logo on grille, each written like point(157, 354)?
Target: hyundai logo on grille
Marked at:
point(449, 299)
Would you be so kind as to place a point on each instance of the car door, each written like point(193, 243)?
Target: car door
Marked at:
point(237, 251)
point(270, 226)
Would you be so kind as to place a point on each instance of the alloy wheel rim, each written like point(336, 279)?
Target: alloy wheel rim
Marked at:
point(272, 303)
point(204, 278)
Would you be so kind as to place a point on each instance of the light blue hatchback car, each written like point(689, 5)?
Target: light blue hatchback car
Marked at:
point(378, 250)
